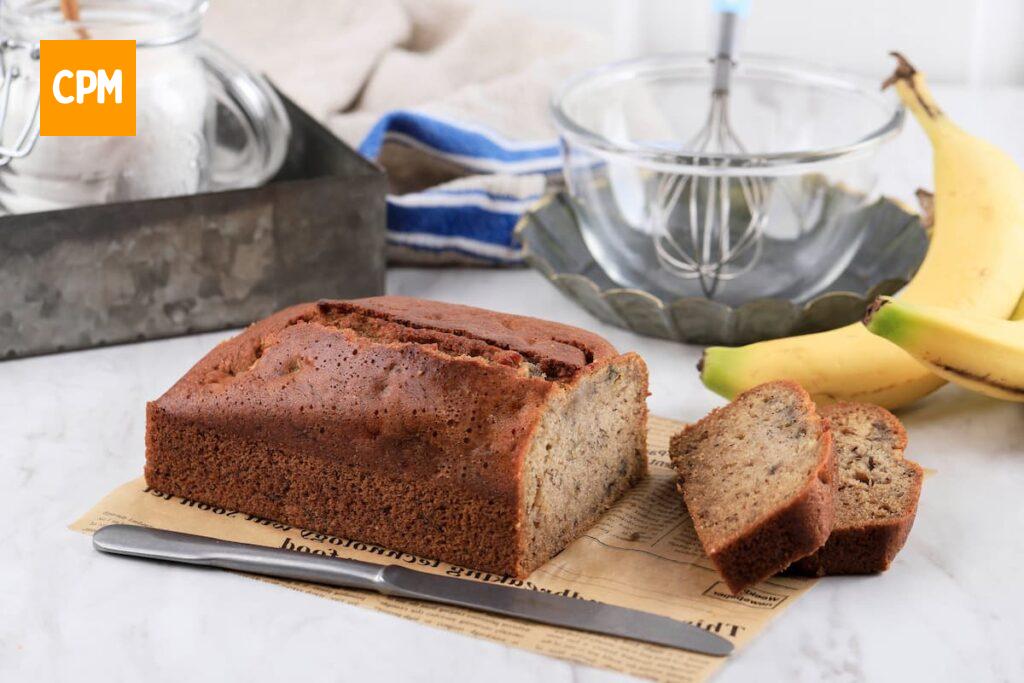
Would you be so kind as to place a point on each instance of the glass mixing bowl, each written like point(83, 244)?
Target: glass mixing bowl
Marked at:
point(811, 136)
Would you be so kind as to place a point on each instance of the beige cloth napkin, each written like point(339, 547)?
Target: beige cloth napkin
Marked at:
point(350, 61)
point(475, 68)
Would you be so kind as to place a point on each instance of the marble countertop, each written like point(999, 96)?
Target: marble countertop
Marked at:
point(951, 607)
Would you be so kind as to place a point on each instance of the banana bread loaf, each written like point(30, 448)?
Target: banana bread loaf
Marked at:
point(876, 496)
point(757, 478)
point(482, 439)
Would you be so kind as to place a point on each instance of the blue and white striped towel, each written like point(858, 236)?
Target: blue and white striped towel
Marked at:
point(449, 96)
point(468, 219)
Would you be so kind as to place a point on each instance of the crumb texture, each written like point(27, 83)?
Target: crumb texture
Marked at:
point(876, 494)
point(874, 481)
point(589, 449)
point(405, 423)
point(757, 479)
point(742, 462)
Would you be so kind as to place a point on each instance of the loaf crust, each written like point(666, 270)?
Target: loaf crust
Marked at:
point(394, 421)
point(791, 531)
point(866, 546)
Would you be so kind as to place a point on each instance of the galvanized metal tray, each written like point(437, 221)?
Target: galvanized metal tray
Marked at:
point(890, 254)
point(130, 271)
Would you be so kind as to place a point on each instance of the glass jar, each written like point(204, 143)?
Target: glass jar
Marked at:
point(203, 122)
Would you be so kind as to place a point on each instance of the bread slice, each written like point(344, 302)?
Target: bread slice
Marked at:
point(876, 495)
point(757, 478)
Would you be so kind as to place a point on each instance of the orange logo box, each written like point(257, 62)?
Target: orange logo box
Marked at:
point(86, 87)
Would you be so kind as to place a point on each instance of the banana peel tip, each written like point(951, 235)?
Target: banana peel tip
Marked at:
point(883, 319)
point(873, 308)
point(716, 371)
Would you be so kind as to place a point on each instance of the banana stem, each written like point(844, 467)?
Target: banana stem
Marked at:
point(914, 93)
point(873, 309)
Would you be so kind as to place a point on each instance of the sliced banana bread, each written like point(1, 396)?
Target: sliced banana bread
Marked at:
point(479, 438)
point(876, 496)
point(757, 478)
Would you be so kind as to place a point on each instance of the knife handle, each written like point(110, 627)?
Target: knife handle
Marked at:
point(171, 546)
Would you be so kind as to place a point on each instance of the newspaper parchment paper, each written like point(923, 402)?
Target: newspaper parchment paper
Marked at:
point(642, 554)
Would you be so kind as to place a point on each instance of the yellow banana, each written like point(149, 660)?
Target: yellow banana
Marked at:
point(1019, 313)
point(981, 353)
point(973, 264)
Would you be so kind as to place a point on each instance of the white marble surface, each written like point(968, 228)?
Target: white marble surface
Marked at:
point(71, 428)
point(951, 608)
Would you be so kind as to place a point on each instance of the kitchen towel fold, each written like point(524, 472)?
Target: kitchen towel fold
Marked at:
point(469, 218)
point(449, 96)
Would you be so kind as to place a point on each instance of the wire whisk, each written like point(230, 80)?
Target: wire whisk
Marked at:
point(699, 229)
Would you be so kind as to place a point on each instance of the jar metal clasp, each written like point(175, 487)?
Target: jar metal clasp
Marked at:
point(9, 78)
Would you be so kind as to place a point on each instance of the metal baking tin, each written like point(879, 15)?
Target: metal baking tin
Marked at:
point(889, 256)
point(107, 274)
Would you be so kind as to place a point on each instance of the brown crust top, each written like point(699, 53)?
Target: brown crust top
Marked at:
point(422, 386)
point(558, 350)
point(543, 342)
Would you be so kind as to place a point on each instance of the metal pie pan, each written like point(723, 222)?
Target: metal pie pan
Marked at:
point(889, 255)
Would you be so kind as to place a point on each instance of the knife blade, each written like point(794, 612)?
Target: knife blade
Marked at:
point(544, 608)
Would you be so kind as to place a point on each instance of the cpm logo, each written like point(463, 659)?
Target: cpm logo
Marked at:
point(86, 87)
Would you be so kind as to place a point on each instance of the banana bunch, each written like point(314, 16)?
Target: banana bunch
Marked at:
point(973, 265)
point(978, 352)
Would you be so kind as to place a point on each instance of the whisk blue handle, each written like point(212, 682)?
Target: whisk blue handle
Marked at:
point(738, 7)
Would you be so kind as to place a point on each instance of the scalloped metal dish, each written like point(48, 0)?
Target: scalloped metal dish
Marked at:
point(889, 256)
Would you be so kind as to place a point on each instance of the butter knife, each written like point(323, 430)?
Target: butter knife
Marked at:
point(556, 610)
